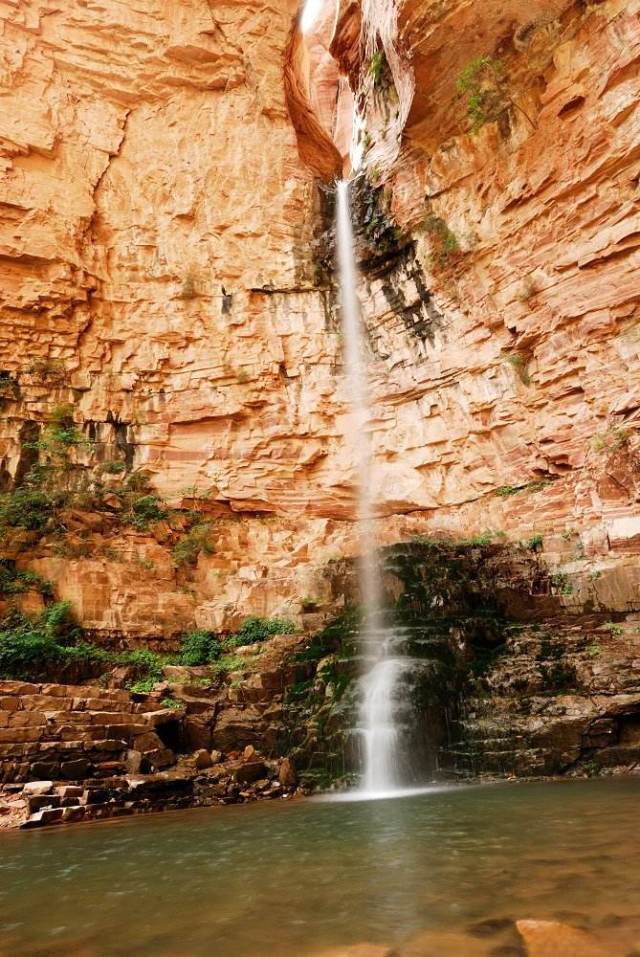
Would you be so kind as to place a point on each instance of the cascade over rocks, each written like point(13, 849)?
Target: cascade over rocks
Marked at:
point(166, 292)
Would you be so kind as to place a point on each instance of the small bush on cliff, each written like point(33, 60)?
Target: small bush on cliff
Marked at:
point(48, 371)
point(253, 630)
point(46, 646)
point(148, 667)
point(485, 83)
point(28, 508)
point(14, 582)
point(196, 540)
point(200, 647)
point(145, 509)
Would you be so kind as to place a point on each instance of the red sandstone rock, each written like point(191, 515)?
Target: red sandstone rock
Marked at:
point(553, 939)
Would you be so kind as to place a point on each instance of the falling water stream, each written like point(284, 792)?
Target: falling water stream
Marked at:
point(383, 666)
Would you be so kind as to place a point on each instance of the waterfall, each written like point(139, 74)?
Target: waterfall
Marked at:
point(379, 707)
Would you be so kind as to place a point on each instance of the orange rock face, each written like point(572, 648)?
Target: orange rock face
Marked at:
point(158, 216)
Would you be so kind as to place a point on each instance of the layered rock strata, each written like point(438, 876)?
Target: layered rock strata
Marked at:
point(165, 248)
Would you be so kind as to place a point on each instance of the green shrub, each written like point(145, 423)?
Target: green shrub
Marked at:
point(142, 686)
point(148, 664)
point(483, 82)
point(170, 703)
point(614, 629)
point(37, 648)
point(505, 491)
point(146, 509)
point(48, 371)
point(199, 647)
point(519, 363)
point(560, 584)
point(534, 543)
point(13, 582)
point(229, 663)
point(309, 604)
point(113, 467)
point(27, 508)
point(253, 630)
point(196, 540)
point(484, 538)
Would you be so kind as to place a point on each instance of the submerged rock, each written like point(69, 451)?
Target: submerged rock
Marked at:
point(548, 938)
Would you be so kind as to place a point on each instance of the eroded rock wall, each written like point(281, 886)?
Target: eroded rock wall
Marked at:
point(164, 272)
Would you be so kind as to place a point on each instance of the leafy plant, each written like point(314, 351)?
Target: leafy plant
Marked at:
point(148, 665)
point(614, 629)
point(612, 441)
point(483, 82)
point(48, 371)
point(14, 582)
point(227, 664)
point(28, 508)
point(505, 491)
point(114, 467)
point(199, 647)
point(146, 509)
point(33, 648)
point(187, 550)
point(561, 585)
point(534, 543)
point(170, 703)
point(253, 630)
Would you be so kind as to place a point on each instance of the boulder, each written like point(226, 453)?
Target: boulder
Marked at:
point(250, 771)
point(286, 774)
point(549, 938)
point(34, 788)
point(202, 759)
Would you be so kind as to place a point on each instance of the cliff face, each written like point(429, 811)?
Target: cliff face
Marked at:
point(163, 275)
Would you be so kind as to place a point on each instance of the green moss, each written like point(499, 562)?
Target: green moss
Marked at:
point(445, 246)
point(505, 491)
point(378, 69)
point(519, 363)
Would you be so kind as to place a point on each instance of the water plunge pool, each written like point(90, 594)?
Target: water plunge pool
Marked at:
point(441, 874)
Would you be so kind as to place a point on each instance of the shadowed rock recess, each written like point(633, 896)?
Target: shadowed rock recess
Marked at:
point(177, 497)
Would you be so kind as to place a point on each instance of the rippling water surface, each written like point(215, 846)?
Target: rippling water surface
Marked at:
point(440, 874)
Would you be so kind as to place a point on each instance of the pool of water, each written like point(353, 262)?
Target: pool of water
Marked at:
point(440, 874)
